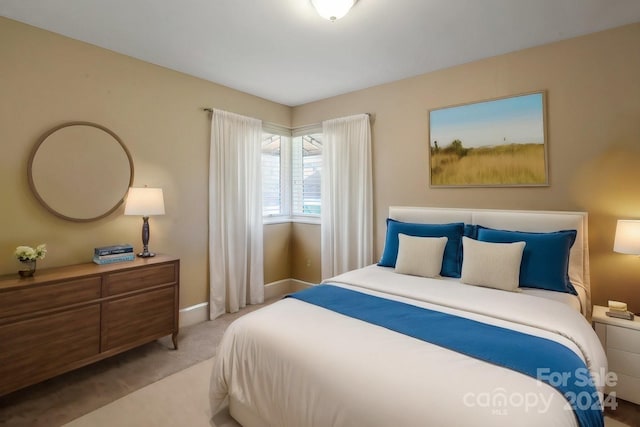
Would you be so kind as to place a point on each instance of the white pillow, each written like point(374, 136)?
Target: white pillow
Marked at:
point(420, 256)
point(495, 265)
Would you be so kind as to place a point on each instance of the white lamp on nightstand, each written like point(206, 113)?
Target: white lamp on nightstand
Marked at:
point(145, 202)
point(627, 239)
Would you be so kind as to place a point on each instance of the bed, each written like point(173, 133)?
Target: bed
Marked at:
point(395, 345)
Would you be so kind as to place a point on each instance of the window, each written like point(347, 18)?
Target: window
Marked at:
point(275, 175)
point(291, 173)
point(306, 174)
point(271, 175)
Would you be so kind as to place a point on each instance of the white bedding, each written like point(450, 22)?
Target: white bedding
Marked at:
point(299, 365)
point(564, 298)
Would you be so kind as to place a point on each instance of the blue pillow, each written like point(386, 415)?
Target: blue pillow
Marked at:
point(451, 261)
point(471, 231)
point(545, 260)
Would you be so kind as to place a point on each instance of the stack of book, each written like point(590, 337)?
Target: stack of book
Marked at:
point(619, 310)
point(114, 253)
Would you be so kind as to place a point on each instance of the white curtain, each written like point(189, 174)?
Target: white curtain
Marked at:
point(235, 213)
point(347, 195)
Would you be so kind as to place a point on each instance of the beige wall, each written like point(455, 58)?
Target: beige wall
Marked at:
point(593, 110)
point(277, 252)
point(593, 96)
point(292, 250)
point(46, 80)
point(305, 250)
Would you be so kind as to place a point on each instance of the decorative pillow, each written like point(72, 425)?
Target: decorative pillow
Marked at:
point(545, 261)
point(420, 256)
point(471, 231)
point(495, 265)
point(453, 232)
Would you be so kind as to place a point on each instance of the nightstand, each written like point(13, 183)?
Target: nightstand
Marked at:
point(621, 341)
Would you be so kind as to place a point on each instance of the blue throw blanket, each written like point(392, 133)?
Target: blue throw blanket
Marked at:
point(518, 351)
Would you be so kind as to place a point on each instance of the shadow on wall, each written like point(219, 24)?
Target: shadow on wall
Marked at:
point(608, 187)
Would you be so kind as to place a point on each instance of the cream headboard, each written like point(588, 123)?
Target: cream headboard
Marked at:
point(537, 221)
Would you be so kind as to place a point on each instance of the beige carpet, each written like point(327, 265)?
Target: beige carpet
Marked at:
point(177, 400)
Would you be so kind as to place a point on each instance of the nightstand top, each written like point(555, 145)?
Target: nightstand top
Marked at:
point(599, 316)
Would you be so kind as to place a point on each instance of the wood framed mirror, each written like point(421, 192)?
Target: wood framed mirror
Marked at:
point(80, 171)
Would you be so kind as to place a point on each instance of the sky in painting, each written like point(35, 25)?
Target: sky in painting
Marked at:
point(502, 121)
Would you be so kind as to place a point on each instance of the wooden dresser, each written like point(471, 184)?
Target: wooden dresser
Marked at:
point(64, 318)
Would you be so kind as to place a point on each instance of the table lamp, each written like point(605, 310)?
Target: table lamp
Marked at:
point(146, 202)
point(627, 240)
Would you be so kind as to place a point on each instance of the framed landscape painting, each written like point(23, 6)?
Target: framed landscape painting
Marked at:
point(495, 143)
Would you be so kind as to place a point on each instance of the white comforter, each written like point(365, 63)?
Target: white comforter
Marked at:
point(295, 364)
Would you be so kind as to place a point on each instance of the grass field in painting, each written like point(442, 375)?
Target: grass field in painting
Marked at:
point(507, 164)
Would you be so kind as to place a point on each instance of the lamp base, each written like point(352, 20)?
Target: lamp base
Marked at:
point(145, 239)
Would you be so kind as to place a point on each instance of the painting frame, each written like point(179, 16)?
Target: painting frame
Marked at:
point(520, 159)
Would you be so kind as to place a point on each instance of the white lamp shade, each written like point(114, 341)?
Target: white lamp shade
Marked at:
point(333, 9)
point(144, 202)
point(627, 239)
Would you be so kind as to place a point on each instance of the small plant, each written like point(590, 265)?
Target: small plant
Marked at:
point(27, 253)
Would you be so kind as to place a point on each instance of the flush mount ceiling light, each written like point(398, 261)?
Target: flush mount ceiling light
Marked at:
point(333, 9)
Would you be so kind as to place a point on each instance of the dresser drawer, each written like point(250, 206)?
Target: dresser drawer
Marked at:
point(624, 339)
point(601, 332)
point(624, 362)
point(37, 349)
point(31, 299)
point(627, 388)
point(141, 278)
point(138, 319)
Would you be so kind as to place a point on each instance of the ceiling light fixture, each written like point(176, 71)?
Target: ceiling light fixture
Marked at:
point(333, 9)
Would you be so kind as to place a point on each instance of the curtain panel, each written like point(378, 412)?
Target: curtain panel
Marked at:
point(347, 195)
point(235, 213)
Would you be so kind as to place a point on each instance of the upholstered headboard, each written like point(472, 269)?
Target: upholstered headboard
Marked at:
point(536, 221)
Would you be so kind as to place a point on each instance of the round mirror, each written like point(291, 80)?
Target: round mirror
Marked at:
point(80, 171)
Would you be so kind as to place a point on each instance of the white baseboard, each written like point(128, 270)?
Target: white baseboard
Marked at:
point(283, 287)
point(277, 289)
point(200, 312)
point(194, 314)
point(300, 285)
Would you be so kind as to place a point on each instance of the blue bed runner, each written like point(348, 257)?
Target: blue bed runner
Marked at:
point(517, 351)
